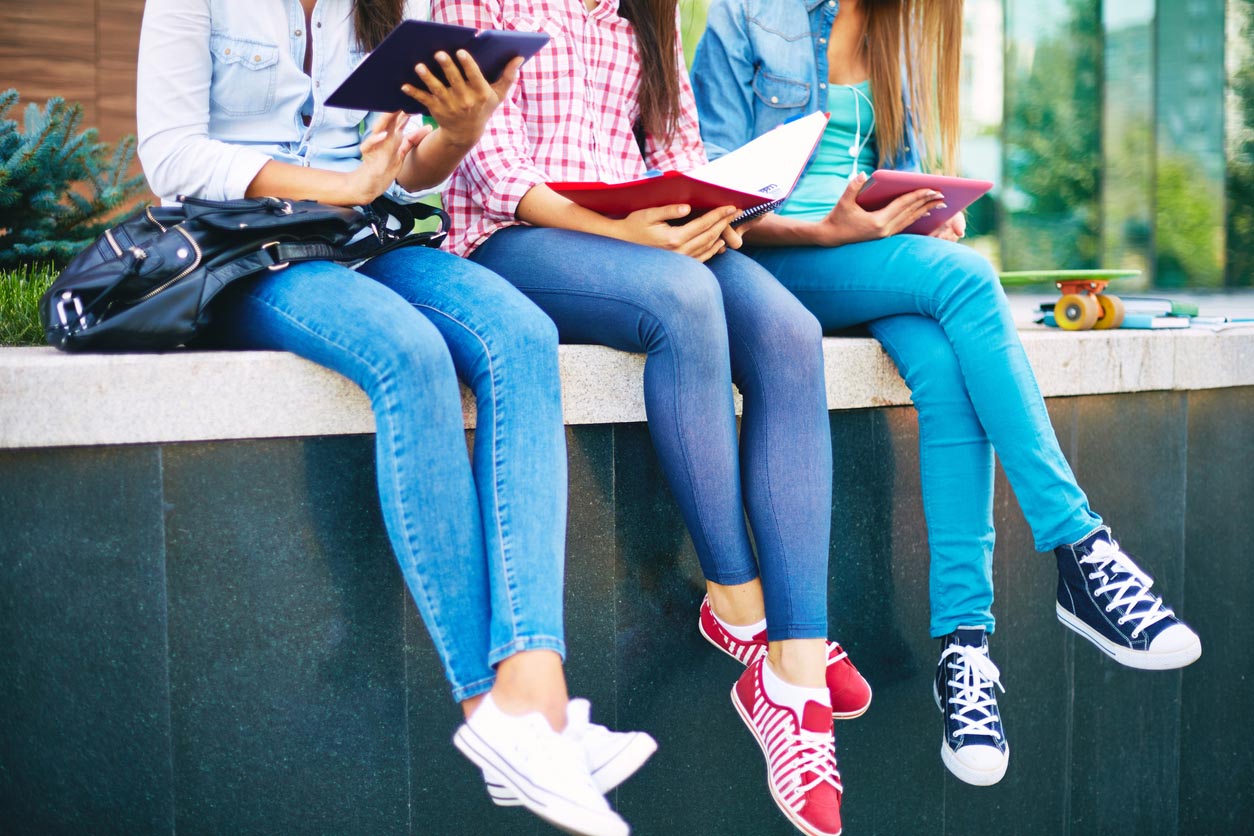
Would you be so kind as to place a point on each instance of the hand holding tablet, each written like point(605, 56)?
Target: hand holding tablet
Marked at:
point(376, 83)
point(885, 186)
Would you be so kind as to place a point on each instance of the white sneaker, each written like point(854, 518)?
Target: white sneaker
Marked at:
point(612, 757)
point(545, 771)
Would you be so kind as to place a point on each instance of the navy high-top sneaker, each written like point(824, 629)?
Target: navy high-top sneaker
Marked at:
point(974, 747)
point(1104, 596)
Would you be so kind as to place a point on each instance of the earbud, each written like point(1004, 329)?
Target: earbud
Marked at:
point(859, 141)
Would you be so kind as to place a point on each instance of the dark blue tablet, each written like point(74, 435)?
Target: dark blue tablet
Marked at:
point(376, 83)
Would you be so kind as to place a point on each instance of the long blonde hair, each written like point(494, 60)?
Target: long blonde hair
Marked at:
point(924, 36)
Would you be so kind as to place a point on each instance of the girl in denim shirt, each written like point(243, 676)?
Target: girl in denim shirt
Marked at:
point(231, 105)
point(939, 311)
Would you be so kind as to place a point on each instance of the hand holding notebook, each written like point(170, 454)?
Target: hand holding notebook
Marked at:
point(754, 178)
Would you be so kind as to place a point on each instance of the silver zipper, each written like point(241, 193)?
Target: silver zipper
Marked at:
point(195, 263)
point(153, 218)
point(117, 251)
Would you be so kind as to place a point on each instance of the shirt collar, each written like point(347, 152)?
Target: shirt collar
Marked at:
point(811, 5)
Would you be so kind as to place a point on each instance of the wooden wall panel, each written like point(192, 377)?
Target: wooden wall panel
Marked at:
point(48, 48)
point(117, 45)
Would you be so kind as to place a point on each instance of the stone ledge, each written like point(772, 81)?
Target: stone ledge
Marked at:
point(50, 399)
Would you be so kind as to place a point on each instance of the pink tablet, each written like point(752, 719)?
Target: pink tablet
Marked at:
point(885, 186)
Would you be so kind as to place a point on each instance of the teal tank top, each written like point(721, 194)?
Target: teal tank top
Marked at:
point(847, 146)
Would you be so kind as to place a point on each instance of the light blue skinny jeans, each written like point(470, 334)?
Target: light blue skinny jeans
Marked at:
point(939, 311)
point(481, 548)
point(703, 326)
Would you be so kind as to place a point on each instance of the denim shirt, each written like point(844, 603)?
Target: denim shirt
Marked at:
point(752, 71)
point(222, 86)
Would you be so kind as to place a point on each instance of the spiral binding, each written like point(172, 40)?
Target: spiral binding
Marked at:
point(750, 214)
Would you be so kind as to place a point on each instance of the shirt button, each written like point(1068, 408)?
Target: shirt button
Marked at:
point(226, 51)
point(256, 57)
point(298, 33)
point(821, 40)
point(774, 99)
point(822, 85)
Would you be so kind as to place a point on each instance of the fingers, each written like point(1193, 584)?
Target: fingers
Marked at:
point(732, 237)
point(470, 68)
point(436, 87)
point(389, 128)
point(661, 214)
point(706, 232)
point(907, 209)
point(715, 219)
point(719, 246)
point(507, 79)
point(850, 195)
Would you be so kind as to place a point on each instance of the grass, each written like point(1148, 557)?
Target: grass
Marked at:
point(20, 290)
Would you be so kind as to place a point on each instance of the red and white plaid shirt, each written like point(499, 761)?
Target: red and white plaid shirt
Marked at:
point(569, 117)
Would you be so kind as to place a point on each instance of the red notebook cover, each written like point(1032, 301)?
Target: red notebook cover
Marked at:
point(756, 177)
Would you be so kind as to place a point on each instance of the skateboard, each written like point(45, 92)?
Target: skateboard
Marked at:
point(1083, 304)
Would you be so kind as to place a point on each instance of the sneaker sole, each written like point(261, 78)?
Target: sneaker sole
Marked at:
point(1141, 659)
point(836, 715)
point(964, 773)
point(614, 772)
point(553, 808)
point(797, 821)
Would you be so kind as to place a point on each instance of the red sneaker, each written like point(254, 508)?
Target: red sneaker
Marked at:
point(800, 754)
point(851, 693)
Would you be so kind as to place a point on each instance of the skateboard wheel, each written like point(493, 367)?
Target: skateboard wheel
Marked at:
point(1112, 312)
point(1077, 312)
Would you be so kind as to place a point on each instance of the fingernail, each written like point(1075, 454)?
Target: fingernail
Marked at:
point(943, 206)
point(422, 68)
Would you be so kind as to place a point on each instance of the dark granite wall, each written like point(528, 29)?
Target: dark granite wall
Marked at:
point(214, 638)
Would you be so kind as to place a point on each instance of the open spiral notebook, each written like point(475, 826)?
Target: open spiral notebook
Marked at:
point(756, 178)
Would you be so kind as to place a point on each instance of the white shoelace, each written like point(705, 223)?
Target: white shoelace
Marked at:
point(973, 697)
point(815, 753)
point(1126, 584)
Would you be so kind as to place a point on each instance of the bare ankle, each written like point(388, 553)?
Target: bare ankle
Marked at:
point(740, 605)
point(800, 661)
point(532, 680)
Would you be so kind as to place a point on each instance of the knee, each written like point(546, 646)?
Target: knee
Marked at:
point(528, 333)
point(415, 355)
point(935, 378)
point(687, 302)
point(971, 274)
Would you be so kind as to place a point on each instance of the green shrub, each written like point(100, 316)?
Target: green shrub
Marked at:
point(58, 184)
point(20, 290)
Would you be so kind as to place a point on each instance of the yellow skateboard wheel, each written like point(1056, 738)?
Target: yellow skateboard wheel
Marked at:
point(1077, 312)
point(1112, 312)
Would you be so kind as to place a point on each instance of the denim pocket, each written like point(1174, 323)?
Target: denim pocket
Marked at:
point(776, 91)
point(245, 74)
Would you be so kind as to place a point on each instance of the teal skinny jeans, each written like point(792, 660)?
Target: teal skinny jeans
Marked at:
point(940, 313)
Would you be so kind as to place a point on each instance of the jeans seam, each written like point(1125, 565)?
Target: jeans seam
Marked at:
point(437, 634)
point(501, 526)
point(770, 490)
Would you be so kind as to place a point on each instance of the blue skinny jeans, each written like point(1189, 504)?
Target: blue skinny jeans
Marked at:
point(939, 311)
point(481, 548)
point(703, 327)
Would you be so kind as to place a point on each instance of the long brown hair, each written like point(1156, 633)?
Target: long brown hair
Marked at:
point(927, 36)
point(654, 22)
point(374, 19)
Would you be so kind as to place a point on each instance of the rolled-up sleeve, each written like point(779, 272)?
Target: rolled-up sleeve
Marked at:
point(172, 108)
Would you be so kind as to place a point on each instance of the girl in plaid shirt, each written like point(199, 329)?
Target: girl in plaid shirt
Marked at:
point(608, 99)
